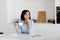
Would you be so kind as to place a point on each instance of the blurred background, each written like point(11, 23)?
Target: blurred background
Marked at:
point(42, 11)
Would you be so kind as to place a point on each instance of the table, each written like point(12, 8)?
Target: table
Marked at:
point(47, 30)
point(18, 37)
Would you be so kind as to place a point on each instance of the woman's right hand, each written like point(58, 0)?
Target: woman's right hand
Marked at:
point(16, 23)
point(15, 26)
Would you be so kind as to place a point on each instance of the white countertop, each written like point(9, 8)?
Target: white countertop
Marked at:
point(48, 32)
point(19, 37)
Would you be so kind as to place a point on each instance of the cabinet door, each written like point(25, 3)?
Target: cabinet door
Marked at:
point(41, 16)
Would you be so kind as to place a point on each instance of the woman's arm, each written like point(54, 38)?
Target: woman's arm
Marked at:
point(15, 26)
point(31, 26)
point(29, 23)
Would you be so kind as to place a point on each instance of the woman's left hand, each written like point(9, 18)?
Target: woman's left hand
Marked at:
point(28, 21)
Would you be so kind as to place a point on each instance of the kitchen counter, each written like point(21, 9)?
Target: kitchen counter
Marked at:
point(46, 30)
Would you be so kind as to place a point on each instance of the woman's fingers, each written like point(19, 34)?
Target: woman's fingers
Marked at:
point(15, 24)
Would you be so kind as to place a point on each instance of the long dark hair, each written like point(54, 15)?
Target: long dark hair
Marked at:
point(23, 13)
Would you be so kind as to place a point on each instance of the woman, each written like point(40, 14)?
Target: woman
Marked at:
point(25, 25)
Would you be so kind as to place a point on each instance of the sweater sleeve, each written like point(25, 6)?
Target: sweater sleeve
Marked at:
point(31, 31)
point(20, 27)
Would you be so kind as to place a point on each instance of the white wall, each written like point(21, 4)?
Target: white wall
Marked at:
point(36, 5)
point(3, 13)
point(33, 5)
point(50, 9)
point(57, 2)
point(11, 10)
point(15, 7)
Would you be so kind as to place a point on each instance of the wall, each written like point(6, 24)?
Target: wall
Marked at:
point(13, 8)
point(3, 13)
point(36, 5)
point(11, 11)
point(50, 9)
point(57, 2)
point(33, 5)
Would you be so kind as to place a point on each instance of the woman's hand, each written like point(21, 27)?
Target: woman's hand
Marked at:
point(29, 24)
point(15, 26)
point(27, 21)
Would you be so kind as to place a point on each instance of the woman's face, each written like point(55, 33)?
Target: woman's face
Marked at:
point(26, 16)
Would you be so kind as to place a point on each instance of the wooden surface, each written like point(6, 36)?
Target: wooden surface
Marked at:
point(41, 16)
